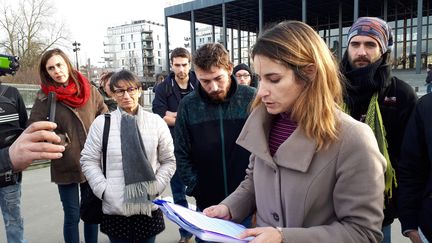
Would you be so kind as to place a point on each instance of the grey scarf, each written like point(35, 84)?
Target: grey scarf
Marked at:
point(140, 180)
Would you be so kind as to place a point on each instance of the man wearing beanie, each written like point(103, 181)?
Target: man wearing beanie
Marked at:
point(244, 75)
point(377, 98)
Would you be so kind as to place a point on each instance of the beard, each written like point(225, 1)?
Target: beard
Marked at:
point(181, 75)
point(218, 96)
point(355, 62)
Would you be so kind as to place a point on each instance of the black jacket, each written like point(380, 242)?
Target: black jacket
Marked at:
point(429, 77)
point(167, 95)
point(209, 161)
point(10, 123)
point(396, 101)
point(415, 169)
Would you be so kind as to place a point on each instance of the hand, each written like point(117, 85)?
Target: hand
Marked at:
point(171, 114)
point(170, 118)
point(35, 143)
point(263, 234)
point(414, 236)
point(218, 211)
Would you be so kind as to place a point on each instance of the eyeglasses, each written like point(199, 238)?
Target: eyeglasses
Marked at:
point(243, 76)
point(120, 92)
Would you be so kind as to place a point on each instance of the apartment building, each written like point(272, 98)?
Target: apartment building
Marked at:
point(138, 47)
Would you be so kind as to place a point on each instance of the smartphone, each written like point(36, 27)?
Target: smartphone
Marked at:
point(52, 102)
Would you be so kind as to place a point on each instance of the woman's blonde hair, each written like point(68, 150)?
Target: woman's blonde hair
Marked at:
point(296, 45)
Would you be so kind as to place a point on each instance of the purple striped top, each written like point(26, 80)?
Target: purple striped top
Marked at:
point(281, 129)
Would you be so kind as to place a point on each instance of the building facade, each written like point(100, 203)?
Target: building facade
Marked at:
point(138, 47)
point(410, 20)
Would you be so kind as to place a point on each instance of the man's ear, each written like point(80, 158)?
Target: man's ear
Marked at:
point(230, 70)
point(310, 71)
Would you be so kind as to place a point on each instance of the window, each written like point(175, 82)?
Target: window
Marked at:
point(131, 36)
point(129, 45)
point(122, 38)
point(160, 46)
point(122, 46)
point(159, 61)
point(159, 53)
point(134, 45)
point(122, 62)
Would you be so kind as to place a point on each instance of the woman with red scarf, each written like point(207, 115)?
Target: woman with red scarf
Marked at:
point(78, 104)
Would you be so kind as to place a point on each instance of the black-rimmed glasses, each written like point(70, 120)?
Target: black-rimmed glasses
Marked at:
point(120, 92)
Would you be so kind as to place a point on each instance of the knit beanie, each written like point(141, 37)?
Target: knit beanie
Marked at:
point(373, 27)
point(242, 66)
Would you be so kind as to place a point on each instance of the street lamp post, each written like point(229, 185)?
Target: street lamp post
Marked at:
point(76, 49)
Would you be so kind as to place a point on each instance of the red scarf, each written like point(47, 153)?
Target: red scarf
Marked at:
point(69, 94)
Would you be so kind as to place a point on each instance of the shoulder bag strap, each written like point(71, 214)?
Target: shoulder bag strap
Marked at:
point(105, 141)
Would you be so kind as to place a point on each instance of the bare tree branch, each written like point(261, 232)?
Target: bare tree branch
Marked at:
point(29, 28)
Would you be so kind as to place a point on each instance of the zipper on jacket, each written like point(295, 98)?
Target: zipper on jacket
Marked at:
point(221, 127)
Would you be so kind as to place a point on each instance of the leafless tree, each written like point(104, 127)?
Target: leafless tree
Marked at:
point(28, 28)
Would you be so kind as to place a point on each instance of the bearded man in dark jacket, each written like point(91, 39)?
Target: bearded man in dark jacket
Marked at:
point(377, 98)
point(209, 120)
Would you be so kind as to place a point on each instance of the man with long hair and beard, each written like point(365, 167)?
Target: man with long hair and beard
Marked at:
point(377, 98)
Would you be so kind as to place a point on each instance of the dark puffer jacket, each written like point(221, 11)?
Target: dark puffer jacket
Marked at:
point(209, 161)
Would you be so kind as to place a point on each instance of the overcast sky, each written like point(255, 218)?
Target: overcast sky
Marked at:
point(88, 20)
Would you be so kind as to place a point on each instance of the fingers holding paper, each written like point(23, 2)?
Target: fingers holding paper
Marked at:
point(218, 211)
point(263, 234)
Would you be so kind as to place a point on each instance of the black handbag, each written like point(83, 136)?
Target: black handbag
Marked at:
point(91, 206)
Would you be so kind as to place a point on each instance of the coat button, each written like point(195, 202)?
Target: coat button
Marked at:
point(274, 171)
point(276, 216)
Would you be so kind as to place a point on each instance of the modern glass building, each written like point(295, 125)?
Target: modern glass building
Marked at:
point(411, 21)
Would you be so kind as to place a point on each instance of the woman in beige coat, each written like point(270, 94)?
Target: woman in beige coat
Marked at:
point(315, 174)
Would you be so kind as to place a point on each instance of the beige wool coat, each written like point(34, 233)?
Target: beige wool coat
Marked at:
point(334, 195)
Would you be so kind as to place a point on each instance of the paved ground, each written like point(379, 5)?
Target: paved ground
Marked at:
point(43, 215)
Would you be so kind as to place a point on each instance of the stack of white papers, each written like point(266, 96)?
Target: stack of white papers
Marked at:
point(205, 228)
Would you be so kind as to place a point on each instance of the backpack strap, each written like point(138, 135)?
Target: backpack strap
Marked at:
point(105, 140)
point(3, 89)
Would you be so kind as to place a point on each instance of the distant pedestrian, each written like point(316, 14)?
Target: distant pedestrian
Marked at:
point(104, 89)
point(160, 77)
point(244, 75)
point(429, 79)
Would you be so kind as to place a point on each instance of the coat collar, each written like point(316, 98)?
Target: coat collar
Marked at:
point(295, 153)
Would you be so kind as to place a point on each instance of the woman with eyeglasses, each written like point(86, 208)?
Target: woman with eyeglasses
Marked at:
point(78, 104)
point(139, 165)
